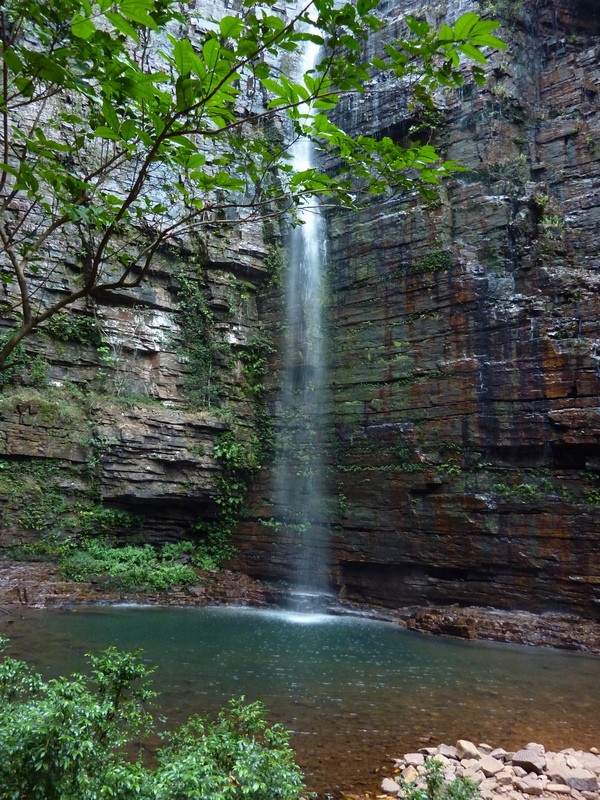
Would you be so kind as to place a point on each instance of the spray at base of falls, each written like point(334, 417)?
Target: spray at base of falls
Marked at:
point(300, 491)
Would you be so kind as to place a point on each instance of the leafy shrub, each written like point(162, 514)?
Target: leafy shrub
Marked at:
point(63, 740)
point(80, 329)
point(437, 788)
point(129, 567)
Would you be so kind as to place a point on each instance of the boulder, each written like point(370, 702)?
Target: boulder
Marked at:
point(529, 785)
point(537, 748)
point(505, 778)
point(490, 766)
point(558, 788)
point(475, 775)
point(531, 760)
point(447, 750)
point(466, 749)
point(581, 779)
point(414, 759)
point(519, 771)
point(410, 774)
point(390, 786)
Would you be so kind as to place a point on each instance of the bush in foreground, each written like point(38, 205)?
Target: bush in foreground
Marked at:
point(63, 739)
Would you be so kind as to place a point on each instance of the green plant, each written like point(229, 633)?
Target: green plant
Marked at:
point(64, 739)
point(93, 518)
point(448, 468)
point(48, 547)
point(125, 568)
point(201, 349)
point(255, 360)
point(520, 491)
point(75, 328)
point(435, 787)
point(437, 261)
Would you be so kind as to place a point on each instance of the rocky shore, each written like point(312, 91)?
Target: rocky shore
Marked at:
point(529, 772)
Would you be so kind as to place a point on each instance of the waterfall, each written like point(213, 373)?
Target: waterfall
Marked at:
point(300, 489)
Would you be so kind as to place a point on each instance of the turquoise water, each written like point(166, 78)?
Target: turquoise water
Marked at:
point(355, 692)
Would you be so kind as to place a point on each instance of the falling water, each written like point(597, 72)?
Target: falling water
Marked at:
point(300, 490)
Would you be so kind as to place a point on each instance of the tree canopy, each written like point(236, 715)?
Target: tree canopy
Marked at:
point(126, 126)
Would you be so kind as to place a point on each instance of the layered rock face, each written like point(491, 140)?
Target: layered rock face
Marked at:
point(109, 422)
point(127, 419)
point(462, 464)
point(463, 461)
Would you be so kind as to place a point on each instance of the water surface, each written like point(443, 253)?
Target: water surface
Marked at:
point(355, 692)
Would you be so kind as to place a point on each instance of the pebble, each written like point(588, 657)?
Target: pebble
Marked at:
point(529, 772)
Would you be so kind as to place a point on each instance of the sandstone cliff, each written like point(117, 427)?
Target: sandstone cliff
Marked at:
point(463, 459)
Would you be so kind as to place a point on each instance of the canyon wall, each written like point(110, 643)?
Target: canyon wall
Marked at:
point(463, 460)
point(110, 416)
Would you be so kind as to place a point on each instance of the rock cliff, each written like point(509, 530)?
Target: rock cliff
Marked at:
point(463, 457)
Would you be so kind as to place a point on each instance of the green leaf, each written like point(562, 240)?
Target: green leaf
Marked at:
point(110, 116)
point(121, 24)
point(105, 133)
point(12, 60)
point(210, 51)
point(446, 34)
point(418, 27)
point(472, 52)
point(464, 25)
point(196, 160)
point(82, 27)
point(231, 27)
point(10, 170)
point(137, 11)
point(182, 53)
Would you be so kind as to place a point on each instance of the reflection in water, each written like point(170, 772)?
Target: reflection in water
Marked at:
point(354, 691)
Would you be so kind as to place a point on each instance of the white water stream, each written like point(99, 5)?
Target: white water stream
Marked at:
point(300, 489)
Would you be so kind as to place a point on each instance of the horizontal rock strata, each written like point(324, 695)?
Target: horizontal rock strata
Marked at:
point(462, 459)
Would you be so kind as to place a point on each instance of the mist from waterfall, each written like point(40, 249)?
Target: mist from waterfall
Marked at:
point(299, 471)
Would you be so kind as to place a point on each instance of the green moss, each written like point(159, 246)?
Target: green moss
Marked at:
point(54, 405)
point(74, 328)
